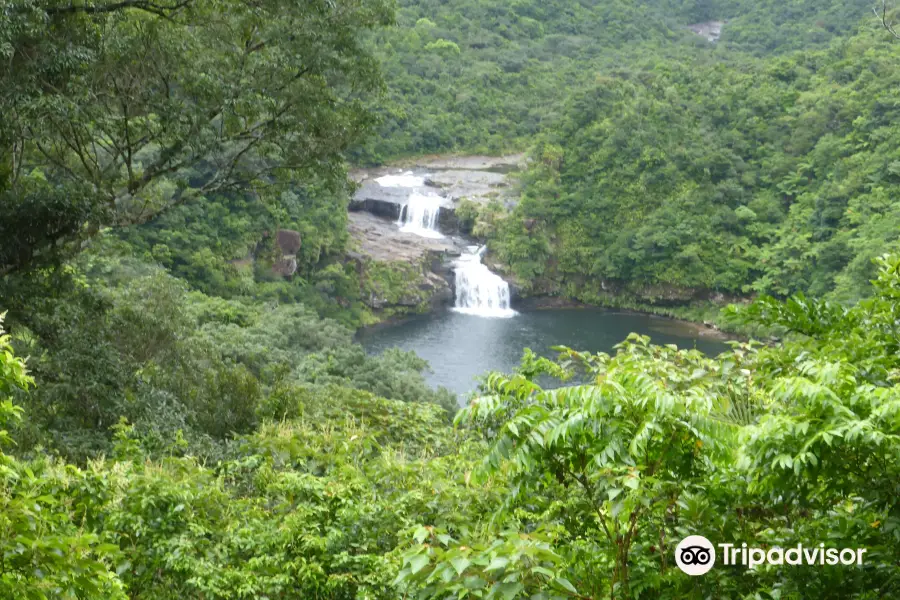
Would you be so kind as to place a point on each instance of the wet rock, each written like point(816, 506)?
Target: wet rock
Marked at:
point(448, 222)
point(441, 292)
point(380, 239)
point(388, 209)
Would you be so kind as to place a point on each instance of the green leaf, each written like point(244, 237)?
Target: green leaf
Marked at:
point(460, 563)
point(417, 563)
point(565, 584)
point(421, 534)
point(499, 562)
point(509, 590)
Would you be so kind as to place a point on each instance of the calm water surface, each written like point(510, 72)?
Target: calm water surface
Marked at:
point(461, 347)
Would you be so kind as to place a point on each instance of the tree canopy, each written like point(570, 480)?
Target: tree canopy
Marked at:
point(115, 111)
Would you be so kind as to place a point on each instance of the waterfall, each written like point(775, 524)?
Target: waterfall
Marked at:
point(420, 213)
point(404, 180)
point(479, 291)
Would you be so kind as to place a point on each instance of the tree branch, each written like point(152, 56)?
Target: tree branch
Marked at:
point(161, 10)
point(884, 21)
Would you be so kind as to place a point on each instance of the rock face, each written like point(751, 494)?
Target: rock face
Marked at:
point(400, 273)
point(477, 186)
point(285, 266)
point(288, 242)
point(501, 164)
point(711, 30)
point(381, 240)
point(368, 202)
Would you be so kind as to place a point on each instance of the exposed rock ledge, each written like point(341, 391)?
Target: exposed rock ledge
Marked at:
point(506, 163)
point(711, 30)
point(380, 239)
point(479, 179)
point(400, 273)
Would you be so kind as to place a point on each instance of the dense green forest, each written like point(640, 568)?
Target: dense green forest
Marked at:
point(184, 412)
point(578, 492)
point(774, 177)
point(486, 76)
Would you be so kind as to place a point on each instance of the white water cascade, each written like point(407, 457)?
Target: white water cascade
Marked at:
point(480, 292)
point(420, 213)
point(404, 180)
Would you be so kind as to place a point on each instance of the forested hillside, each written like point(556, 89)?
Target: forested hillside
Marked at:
point(774, 176)
point(480, 75)
point(666, 168)
point(184, 412)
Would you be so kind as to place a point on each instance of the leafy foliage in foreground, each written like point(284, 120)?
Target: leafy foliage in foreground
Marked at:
point(581, 491)
point(772, 446)
point(44, 553)
point(113, 337)
point(311, 508)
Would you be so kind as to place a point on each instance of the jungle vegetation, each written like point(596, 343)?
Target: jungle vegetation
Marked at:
point(177, 420)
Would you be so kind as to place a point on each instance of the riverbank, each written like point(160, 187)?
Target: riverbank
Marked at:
point(706, 315)
point(704, 319)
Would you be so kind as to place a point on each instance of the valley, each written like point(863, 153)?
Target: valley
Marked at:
point(432, 299)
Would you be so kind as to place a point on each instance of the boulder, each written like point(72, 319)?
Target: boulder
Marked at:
point(286, 267)
point(288, 241)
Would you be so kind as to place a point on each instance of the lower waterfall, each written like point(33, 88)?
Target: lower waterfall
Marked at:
point(480, 292)
point(420, 215)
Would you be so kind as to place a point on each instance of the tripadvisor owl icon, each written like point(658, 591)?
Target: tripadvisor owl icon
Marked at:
point(695, 555)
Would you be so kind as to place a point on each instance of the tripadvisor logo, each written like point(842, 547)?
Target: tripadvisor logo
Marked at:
point(696, 555)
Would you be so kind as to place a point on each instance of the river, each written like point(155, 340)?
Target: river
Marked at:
point(461, 347)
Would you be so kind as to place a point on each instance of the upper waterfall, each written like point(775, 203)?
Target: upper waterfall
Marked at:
point(479, 291)
point(404, 180)
point(420, 213)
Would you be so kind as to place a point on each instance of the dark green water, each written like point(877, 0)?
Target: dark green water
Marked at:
point(462, 347)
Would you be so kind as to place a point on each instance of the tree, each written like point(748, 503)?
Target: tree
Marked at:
point(43, 551)
point(115, 111)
